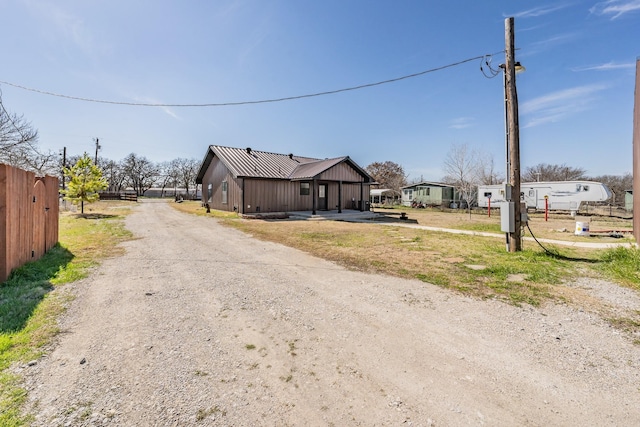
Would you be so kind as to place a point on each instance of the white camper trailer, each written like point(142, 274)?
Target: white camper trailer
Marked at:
point(560, 195)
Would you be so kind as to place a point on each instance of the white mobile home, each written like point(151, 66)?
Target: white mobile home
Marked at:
point(560, 195)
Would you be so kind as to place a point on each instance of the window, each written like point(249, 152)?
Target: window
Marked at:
point(304, 189)
point(428, 189)
point(224, 192)
point(585, 188)
point(532, 193)
point(409, 194)
point(210, 193)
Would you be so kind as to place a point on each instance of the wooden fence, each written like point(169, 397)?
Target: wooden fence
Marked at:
point(128, 196)
point(28, 217)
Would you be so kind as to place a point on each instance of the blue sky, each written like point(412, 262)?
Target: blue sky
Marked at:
point(575, 97)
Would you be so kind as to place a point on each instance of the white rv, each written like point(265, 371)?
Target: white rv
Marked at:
point(560, 195)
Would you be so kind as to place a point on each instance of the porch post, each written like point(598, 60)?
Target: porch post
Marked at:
point(361, 197)
point(315, 195)
point(340, 197)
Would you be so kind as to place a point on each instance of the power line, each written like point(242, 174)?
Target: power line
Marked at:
point(263, 101)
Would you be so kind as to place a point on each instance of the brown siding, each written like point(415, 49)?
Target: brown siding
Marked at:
point(341, 172)
point(27, 229)
point(275, 196)
point(272, 195)
point(351, 195)
point(215, 175)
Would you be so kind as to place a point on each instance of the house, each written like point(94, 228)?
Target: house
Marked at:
point(257, 182)
point(429, 194)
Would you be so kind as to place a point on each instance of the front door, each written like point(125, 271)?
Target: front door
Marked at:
point(322, 197)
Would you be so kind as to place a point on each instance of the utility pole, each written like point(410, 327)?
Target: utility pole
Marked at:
point(515, 237)
point(64, 165)
point(97, 148)
point(636, 157)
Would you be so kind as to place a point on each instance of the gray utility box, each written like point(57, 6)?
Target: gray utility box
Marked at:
point(508, 216)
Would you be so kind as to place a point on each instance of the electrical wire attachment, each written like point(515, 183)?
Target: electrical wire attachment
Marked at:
point(485, 66)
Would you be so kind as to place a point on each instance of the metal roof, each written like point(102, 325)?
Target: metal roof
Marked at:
point(245, 162)
point(428, 184)
point(382, 191)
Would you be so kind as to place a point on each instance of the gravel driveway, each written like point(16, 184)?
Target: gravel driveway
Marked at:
point(198, 324)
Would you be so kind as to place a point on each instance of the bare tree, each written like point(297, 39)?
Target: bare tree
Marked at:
point(487, 173)
point(115, 174)
point(546, 172)
point(187, 169)
point(141, 173)
point(461, 167)
point(388, 175)
point(169, 175)
point(618, 184)
point(19, 144)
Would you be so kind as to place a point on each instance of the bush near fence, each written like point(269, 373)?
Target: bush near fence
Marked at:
point(28, 217)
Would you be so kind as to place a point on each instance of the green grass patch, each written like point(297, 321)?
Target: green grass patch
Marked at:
point(28, 307)
point(622, 265)
point(481, 227)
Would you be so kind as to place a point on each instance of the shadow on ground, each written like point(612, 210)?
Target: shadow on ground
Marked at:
point(95, 216)
point(27, 286)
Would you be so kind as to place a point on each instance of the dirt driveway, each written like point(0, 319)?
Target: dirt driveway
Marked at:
point(198, 324)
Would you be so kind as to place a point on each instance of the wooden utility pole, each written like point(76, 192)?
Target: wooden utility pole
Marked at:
point(97, 148)
point(636, 157)
point(64, 165)
point(515, 237)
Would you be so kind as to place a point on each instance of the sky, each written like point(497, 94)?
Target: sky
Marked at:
point(575, 97)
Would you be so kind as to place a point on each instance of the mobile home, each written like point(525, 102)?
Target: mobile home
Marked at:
point(559, 195)
point(429, 194)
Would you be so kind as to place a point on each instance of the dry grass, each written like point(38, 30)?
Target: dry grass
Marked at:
point(556, 227)
point(474, 265)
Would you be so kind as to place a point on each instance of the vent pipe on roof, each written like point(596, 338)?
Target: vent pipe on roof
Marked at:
point(248, 150)
point(291, 155)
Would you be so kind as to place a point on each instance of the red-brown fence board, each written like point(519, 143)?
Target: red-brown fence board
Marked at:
point(28, 217)
point(52, 210)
